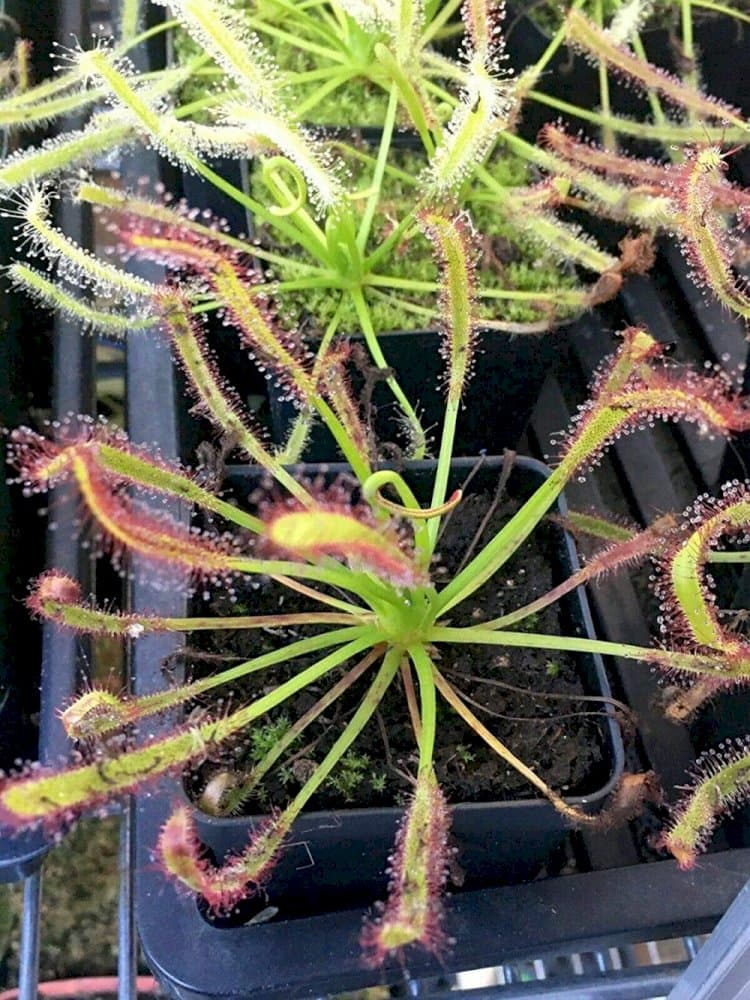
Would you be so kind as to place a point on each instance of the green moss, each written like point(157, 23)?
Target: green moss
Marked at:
point(349, 774)
point(465, 755)
point(351, 771)
point(79, 905)
point(510, 259)
point(286, 777)
point(552, 668)
point(360, 94)
point(378, 781)
point(360, 98)
point(264, 738)
point(529, 624)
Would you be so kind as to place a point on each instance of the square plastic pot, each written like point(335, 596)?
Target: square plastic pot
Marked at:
point(508, 376)
point(499, 843)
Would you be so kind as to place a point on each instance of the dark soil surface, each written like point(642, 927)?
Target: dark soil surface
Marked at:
point(561, 738)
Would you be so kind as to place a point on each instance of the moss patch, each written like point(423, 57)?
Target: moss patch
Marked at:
point(79, 906)
point(509, 260)
point(354, 93)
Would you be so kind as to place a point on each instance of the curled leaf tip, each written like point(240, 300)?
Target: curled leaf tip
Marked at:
point(93, 715)
point(184, 859)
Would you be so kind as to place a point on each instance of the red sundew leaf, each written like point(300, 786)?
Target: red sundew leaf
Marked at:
point(335, 385)
point(629, 392)
point(708, 246)
point(43, 461)
point(216, 400)
point(483, 19)
point(56, 797)
point(598, 43)
point(224, 272)
point(57, 598)
point(720, 782)
point(320, 532)
point(182, 856)
point(644, 172)
point(689, 615)
point(129, 526)
point(452, 238)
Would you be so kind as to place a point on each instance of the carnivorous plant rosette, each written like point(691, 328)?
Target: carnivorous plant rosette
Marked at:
point(375, 552)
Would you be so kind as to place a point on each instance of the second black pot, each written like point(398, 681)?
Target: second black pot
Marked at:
point(509, 371)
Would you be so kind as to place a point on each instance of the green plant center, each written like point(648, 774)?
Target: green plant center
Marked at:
point(407, 619)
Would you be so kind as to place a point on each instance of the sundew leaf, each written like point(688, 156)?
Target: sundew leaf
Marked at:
point(471, 129)
point(453, 242)
point(317, 533)
point(222, 33)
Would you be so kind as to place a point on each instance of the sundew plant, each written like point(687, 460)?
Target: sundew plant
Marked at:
point(363, 551)
point(338, 223)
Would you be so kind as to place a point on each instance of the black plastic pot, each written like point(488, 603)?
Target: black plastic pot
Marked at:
point(509, 372)
point(498, 843)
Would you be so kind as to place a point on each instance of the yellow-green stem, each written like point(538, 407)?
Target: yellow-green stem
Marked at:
point(427, 705)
